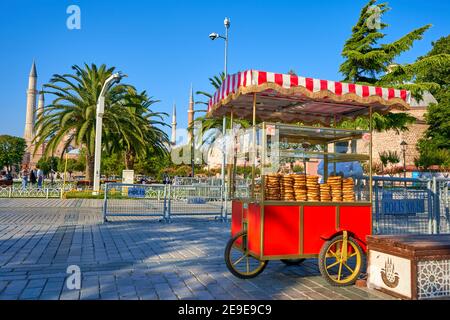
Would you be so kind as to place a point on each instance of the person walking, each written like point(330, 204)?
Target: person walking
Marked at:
point(24, 173)
point(40, 177)
point(33, 177)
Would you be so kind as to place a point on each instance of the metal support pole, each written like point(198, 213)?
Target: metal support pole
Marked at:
point(224, 209)
point(254, 148)
point(370, 151)
point(436, 206)
point(230, 164)
point(430, 207)
point(98, 143)
point(377, 209)
point(105, 203)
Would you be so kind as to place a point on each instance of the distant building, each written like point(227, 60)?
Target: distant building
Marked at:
point(33, 114)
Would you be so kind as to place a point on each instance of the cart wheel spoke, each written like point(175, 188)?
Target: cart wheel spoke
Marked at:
point(332, 265)
point(352, 255)
point(246, 265)
point(331, 254)
point(239, 260)
point(340, 271)
point(349, 269)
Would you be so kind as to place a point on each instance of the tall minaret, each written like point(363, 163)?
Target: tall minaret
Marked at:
point(191, 114)
point(173, 139)
point(31, 106)
point(40, 110)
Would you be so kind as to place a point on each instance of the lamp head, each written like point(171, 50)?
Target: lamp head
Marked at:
point(213, 36)
point(403, 145)
point(227, 23)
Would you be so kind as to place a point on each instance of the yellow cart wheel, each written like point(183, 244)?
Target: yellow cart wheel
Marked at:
point(341, 260)
point(238, 259)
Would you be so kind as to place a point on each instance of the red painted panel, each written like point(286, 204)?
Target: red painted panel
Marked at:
point(236, 217)
point(281, 230)
point(318, 221)
point(254, 228)
point(356, 219)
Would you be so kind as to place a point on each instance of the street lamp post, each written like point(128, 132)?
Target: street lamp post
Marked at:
point(214, 36)
point(114, 78)
point(403, 145)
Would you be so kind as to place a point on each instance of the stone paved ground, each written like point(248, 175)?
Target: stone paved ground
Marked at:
point(136, 260)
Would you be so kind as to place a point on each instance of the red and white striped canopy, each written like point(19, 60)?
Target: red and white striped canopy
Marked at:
point(290, 98)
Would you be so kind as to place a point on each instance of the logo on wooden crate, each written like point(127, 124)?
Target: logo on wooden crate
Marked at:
point(388, 274)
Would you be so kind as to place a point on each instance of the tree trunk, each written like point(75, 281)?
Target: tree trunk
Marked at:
point(90, 168)
point(130, 157)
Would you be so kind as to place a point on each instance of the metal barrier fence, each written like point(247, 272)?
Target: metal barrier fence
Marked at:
point(410, 206)
point(400, 206)
point(163, 200)
point(30, 192)
point(442, 205)
point(135, 200)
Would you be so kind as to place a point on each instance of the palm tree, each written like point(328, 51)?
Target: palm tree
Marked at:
point(71, 117)
point(139, 136)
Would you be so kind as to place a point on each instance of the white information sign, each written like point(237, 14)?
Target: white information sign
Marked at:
point(389, 272)
point(128, 176)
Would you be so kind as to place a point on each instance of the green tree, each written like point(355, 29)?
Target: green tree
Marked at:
point(142, 135)
point(434, 146)
point(152, 165)
point(366, 61)
point(72, 113)
point(428, 73)
point(430, 156)
point(48, 163)
point(73, 165)
point(112, 164)
point(12, 150)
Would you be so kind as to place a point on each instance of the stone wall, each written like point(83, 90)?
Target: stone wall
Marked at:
point(390, 140)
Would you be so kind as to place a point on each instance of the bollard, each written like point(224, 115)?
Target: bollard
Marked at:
point(10, 192)
point(166, 207)
point(105, 202)
point(435, 205)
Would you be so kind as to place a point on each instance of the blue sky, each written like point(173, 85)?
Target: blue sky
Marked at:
point(163, 46)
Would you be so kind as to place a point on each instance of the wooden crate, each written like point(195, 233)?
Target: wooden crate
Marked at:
point(410, 266)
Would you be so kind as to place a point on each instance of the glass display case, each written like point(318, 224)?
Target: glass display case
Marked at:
point(294, 163)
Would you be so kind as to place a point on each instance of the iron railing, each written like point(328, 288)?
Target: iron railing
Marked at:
point(400, 205)
point(163, 200)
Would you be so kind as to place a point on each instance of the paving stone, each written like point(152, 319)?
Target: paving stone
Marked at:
point(32, 293)
point(126, 259)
